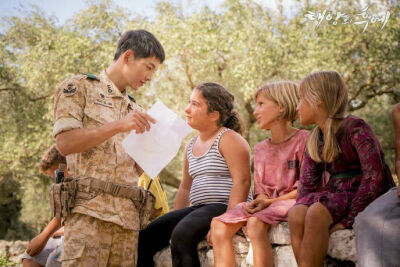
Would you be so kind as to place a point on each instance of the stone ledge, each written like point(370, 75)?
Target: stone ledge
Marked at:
point(341, 248)
point(13, 250)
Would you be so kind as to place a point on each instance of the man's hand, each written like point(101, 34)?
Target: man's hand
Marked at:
point(138, 121)
point(336, 227)
point(257, 205)
point(36, 245)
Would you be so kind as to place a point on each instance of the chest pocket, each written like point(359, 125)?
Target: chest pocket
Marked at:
point(98, 112)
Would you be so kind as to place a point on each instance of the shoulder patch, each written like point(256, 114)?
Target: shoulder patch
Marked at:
point(69, 90)
point(131, 98)
point(91, 76)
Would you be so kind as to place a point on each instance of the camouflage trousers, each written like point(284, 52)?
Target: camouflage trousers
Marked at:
point(92, 242)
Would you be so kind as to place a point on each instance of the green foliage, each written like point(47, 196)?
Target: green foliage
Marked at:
point(241, 46)
point(10, 209)
point(4, 261)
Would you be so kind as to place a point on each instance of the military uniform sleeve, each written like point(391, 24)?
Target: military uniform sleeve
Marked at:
point(69, 103)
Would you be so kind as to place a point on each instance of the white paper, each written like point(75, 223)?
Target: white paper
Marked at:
point(154, 149)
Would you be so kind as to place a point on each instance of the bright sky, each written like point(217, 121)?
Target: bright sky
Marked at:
point(65, 9)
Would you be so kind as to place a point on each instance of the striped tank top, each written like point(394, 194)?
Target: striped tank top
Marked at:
point(212, 181)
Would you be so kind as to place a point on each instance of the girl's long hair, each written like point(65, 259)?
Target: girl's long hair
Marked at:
point(326, 88)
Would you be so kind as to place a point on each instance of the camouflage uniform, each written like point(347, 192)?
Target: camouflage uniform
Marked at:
point(103, 230)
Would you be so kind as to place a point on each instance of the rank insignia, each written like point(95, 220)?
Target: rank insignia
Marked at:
point(110, 91)
point(91, 76)
point(69, 90)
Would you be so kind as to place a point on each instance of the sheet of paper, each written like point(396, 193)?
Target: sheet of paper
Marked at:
point(153, 150)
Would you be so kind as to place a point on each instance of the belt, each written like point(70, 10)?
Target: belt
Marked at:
point(346, 174)
point(88, 186)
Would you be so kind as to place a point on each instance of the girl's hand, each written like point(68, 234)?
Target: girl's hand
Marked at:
point(257, 205)
point(261, 196)
point(336, 227)
point(209, 239)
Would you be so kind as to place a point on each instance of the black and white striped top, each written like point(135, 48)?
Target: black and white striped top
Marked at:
point(212, 181)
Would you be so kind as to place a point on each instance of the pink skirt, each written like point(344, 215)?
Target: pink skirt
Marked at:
point(273, 214)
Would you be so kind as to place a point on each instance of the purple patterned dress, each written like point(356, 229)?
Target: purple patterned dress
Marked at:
point(357, 176)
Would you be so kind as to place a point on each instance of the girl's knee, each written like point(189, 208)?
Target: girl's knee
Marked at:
point(180, 242)
point(257, 229)
point(318, 216)
point(179, 236)
point(297, 215)
point(220, 230)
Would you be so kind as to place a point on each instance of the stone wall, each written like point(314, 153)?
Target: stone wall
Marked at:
point(341, 251)
point(13, 250)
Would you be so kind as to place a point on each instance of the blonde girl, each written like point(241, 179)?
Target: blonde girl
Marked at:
point(347, 149)
point(277, 162)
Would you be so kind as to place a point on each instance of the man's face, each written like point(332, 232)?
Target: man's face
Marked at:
point(137, 72)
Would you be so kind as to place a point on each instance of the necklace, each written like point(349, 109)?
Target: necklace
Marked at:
point(290, 136)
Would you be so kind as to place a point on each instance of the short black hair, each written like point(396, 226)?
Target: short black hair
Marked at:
point(143, 44)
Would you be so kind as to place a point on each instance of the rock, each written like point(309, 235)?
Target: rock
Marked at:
point(284, 257)
point(206, 255)
point(18, 247)
point(13, 250)
point(342, 245)
point(330, 262)
point(249, 257)
point(341, 252)
point(206, 258)
point(280, 234)
point(240, 244)
point(163, 258)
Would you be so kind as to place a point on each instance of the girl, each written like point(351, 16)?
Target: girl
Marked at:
point(216, 176)
point(276, 171)
point(348, 150)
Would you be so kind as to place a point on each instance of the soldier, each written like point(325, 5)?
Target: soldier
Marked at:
point(93, 114)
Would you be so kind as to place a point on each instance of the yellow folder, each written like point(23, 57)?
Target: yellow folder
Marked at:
point(157, 190)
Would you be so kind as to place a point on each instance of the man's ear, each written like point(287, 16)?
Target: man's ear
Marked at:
point(127, 55)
